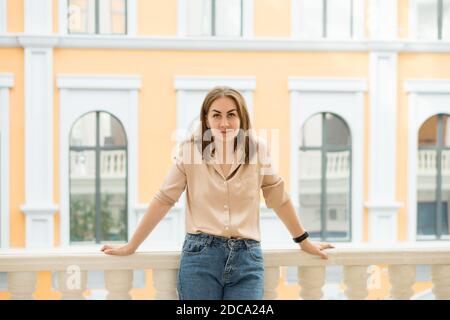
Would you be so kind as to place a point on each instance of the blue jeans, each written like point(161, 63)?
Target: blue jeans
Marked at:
point(219, 268)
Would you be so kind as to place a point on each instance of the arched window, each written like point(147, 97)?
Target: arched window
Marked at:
point(433, 181)
point(325, 177)
point(98, 179)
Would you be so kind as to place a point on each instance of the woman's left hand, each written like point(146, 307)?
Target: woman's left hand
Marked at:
point(315, 249)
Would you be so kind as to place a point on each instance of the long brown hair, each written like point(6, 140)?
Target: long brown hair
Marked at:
point(245, 125)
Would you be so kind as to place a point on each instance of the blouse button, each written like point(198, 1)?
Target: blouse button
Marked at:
point(225, 206)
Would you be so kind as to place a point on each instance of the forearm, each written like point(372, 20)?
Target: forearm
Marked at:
point(154, 214)
point(288, 216)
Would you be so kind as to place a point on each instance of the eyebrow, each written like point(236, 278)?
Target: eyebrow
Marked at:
point(221, 112)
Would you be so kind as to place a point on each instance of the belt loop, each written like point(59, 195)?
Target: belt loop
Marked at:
point(246, 244)
point(209, 239)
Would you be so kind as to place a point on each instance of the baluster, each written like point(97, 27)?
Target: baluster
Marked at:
point(72, 284)
point(271, 279)
point(402, 277)
point(355, 278)
point(440, 276)
point(21, 285)
point(118, 283)
point(165, 284)
point(311, 281)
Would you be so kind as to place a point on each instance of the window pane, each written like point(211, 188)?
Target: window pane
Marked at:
point(311, 18)
point(310, 174)
point(445, 195)
point(311, 133)
point(446, 20)
point(428, 132)
point(111, 131)
point(337, 131)
point(427, 19)
point(82, 196)
point(228, 17)
point(339, 18)
point(338, 195)
point(81, 16)
point(426, 192)
point(83, 131)
point(114, 195)
point(199, 18)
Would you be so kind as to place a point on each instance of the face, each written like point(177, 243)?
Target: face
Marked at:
point(223, 118)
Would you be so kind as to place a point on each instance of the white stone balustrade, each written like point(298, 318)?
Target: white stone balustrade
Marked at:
point(358, 261)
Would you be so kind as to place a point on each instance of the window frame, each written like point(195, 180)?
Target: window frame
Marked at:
point(426, 98)
point(130, 24)
point(98, 149)
point(356, 22)
point(246, 20)
point(323, 148)
point(117, 95)
point(413, 24)
point(343, 97)
point(3, 16)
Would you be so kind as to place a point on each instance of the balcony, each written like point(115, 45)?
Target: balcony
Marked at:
point(357, 263)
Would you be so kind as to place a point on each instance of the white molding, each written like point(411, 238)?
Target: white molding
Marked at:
point(132, 17)
point(38, 16)
point(109, 82)
point(327, 84)
point(345, 98)
point(62, 17)
point(206, 83)
point(248, 18)
point(3, 16)
point(426, 98)
point(383, 207)
point(247, 15)
point(85, 93)
point(412, 19)
point(428, 86)
point(6, 82)
point(267, 44)
point(383, 19)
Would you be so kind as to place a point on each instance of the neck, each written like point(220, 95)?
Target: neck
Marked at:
point(225, 152)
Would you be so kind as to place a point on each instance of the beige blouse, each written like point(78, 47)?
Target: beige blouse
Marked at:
point(218, 205)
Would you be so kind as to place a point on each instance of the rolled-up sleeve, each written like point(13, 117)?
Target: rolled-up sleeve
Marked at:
point(273, 185)
point(174, 183)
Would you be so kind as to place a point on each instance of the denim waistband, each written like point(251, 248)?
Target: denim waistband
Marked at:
point(208, 239)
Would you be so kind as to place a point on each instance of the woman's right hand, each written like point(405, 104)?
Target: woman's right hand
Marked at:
point(124, 250)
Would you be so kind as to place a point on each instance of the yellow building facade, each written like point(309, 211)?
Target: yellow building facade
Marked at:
point(354, 93)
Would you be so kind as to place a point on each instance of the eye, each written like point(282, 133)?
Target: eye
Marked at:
point(216, 115)
point(232, 115)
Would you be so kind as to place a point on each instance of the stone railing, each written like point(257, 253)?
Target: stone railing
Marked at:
point(71, 267)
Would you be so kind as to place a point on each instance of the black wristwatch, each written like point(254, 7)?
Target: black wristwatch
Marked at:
point(301, 238)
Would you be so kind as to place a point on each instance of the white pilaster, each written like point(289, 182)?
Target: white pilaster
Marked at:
point(382, 141)
point(383, 19)
point(6, 82)
point(38, 208)
point(38, 16)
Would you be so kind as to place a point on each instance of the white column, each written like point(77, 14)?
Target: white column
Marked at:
point(38, 208)
point(355, 278)
point(311, 281)
point(271, 278)
point(402, 277)
point(22, 285)
point(3, 16)
point(6, 82)
point(383, 19)
point(72, 285)
point(118, 283)
point(165, 283)
point(382, 159)
point(440, 275)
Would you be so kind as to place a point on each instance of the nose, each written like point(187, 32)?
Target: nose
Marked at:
point(224, 124)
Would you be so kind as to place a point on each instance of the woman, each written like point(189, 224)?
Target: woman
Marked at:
point(222, 167)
